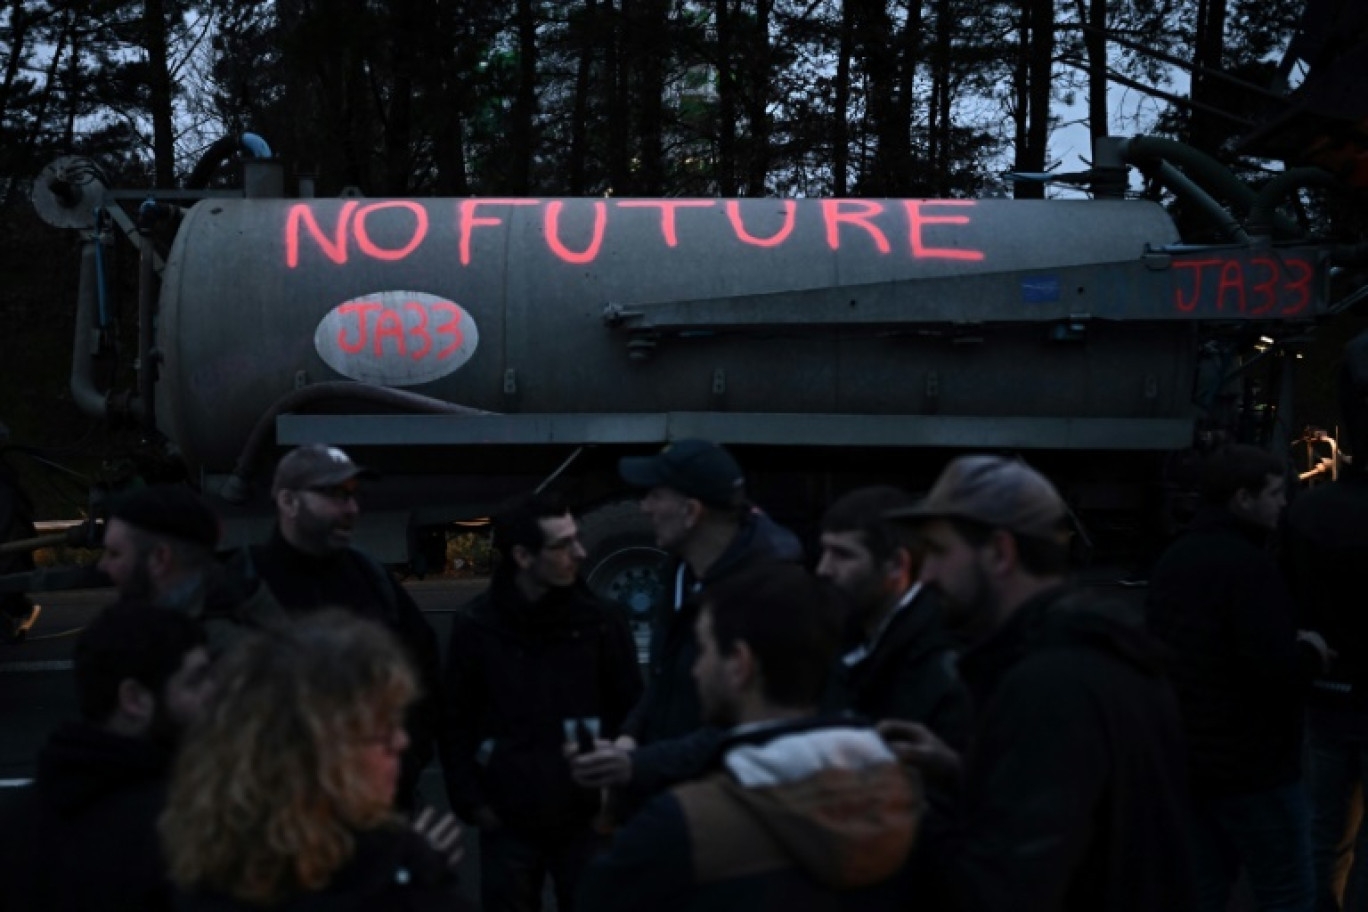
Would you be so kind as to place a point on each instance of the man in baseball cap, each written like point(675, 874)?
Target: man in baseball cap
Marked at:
point(695, 497)
point(309, 563)
point(316, 490)
point(1072, 710)
point(696, 468)
point(316, 465)
point(978, 499)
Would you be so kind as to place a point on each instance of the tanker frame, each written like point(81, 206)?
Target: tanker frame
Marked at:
point(472, 348)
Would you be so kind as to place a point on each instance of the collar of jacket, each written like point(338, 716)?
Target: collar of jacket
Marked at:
point(507, 610)
point(303, 561)
point(908, 618)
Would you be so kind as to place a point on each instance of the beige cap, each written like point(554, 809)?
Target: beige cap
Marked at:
point(997, 492)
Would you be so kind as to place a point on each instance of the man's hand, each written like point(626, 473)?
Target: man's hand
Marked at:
point(608, 764)
point(443, 833)
point(917, 746)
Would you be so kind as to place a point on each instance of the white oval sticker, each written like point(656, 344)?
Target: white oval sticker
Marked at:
point(396, 338)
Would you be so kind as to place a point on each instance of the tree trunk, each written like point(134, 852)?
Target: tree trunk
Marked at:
point(873, 28)
point(840, 115)
point(1208, 52)
point(19, 22)
point(1038, 65)
point(910, 52)
point(938, 117)
point(522, 130)
point(406, 20)
point(1095, 40)
point(159, 93)
point(579, 126)
point(726, 101)
point(655, 45)
point(617, 77)
point(757, 95)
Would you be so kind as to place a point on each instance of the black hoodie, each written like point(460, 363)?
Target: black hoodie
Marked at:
point(351, 579)
point(84, 836)
point(516, 671)
point(1075, 790)
point(1329, 550)
point(1217, 599)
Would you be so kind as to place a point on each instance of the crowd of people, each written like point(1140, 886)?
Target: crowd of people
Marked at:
point(924, 712)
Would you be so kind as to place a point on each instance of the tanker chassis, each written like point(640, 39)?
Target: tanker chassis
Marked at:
point(469, 349)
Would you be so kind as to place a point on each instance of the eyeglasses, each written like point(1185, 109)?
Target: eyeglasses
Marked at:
point(388, 738)
point(338, 493)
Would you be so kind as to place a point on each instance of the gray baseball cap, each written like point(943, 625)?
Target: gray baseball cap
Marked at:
point(997, 492)
point(316, 465)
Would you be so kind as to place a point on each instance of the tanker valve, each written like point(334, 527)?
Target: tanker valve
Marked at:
point(640, 348)
point(616, 314)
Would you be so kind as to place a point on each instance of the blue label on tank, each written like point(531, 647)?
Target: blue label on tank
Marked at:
point(1040, 289)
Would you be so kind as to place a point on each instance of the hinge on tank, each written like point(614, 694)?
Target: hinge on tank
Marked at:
point(510, 384)
point(932, 390)
point(641, 347)
point(616, 314)
point(719, 381)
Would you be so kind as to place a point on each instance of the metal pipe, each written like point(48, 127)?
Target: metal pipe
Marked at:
point(87, 396)
point(1208, 177)
point(20, 545)
point(1220, 216)
point(141, 405)
point(1263, 211)
point(236, 487)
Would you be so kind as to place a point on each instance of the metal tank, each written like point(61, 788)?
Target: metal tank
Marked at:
point(650, 307)
point(471, 348)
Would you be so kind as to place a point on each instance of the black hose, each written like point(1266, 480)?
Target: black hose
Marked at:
point(235, 489)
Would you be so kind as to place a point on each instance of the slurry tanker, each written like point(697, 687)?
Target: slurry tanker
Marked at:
point(468, 349)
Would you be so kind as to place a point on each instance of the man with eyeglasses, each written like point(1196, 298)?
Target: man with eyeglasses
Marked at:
point(309, 563)
point(535, 663)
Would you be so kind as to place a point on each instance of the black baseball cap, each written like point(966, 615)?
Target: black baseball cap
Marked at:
point(696, 468)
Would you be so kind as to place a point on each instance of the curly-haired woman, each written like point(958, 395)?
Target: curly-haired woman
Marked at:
point(283, 795)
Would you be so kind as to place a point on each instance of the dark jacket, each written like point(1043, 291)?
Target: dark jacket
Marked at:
point(83, 836)
point(1329, 559)
point(1220, 604)
point(353, 580)
point(228, 599)
point(516, 671)
point(814, 816)
point(667, 721)
point(908, 672)
point(1075, 788)
point(392, 870)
